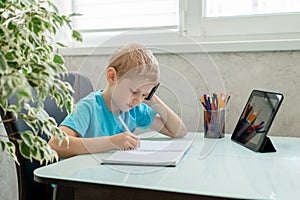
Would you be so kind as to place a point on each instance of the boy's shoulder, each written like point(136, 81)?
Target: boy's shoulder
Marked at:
point(93, 97)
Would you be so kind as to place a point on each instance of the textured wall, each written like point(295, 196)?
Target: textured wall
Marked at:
point(8, 176)
point(183, 82)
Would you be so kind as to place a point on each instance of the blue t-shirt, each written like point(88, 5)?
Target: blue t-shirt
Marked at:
point(91, 118)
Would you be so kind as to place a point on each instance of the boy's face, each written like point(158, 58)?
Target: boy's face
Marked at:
point(129, 93)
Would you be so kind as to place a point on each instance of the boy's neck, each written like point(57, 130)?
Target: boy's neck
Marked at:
point(108, 102)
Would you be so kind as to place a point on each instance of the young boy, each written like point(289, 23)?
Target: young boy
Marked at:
point(105, 120)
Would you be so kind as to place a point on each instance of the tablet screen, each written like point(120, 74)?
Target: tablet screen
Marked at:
point(256, 118)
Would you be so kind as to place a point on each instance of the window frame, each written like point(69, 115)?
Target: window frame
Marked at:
point(223, 35)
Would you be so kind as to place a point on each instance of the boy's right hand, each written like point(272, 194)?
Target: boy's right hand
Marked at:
point(125, 141)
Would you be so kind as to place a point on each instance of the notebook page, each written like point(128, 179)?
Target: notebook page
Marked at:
point(161, 146)
point(165, 153)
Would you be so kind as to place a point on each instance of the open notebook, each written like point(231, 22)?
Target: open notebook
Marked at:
point(153, 152)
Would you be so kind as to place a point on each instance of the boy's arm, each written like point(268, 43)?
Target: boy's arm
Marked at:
point(167, 121)
point(79, 146)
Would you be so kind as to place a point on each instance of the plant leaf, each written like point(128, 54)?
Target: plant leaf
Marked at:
point(25, 150)
point(76, 35)
point(75, 14)
point(61, 44)
point(11, 149)
point(2, 145)
point(27, 138)
point(58, 59)
point(25, 94)
point(3, 65)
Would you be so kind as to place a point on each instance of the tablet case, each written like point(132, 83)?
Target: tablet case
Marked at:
point(267, 146)
point(242, 134)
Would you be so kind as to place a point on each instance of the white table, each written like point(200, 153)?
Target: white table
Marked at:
point(212, 168)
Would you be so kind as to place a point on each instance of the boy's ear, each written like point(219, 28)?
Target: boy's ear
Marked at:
point(111, 75)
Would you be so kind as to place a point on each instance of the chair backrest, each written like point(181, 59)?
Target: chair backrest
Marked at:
point(28, 188)
point(81, 85)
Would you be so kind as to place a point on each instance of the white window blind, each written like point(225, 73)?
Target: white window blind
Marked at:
point(122, 15)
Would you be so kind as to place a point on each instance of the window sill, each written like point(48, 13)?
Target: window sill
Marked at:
point(197, 47)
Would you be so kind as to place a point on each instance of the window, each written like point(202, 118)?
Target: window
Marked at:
point(221, 8)
point(242, 24)
point(217, 19)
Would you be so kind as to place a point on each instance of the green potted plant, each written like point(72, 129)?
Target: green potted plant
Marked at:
point(29, 62)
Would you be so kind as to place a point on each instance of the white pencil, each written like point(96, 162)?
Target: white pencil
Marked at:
point(123, 123)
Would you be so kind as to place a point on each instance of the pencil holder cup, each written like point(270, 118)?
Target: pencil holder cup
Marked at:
point(214, 123)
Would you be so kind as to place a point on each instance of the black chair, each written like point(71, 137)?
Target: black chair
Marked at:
point(28, 188)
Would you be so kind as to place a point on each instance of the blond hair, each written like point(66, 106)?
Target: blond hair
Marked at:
point(135, 60)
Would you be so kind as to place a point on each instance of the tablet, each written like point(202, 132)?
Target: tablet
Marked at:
point(256, 119)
